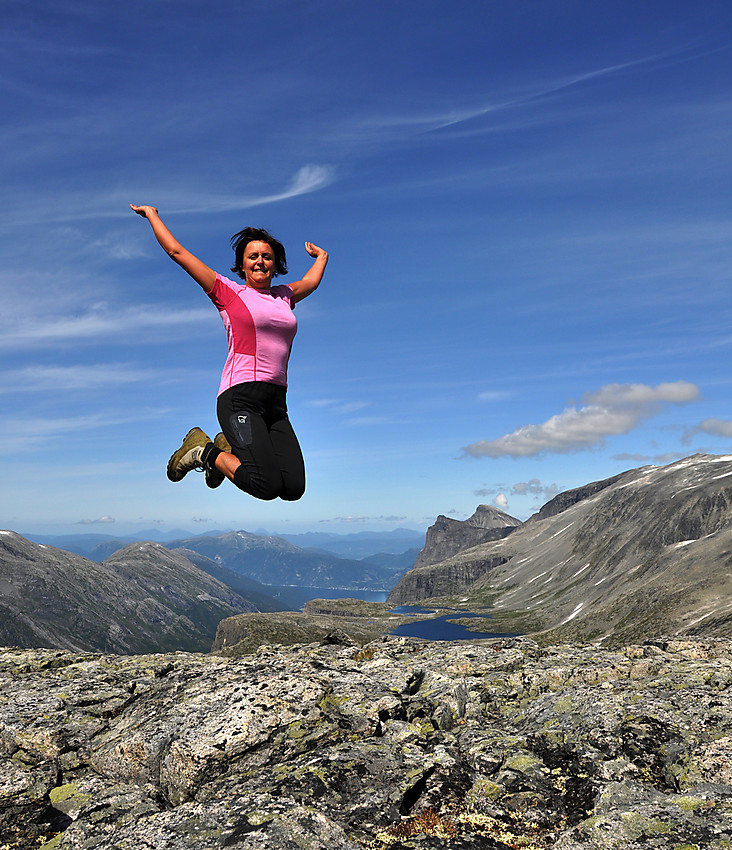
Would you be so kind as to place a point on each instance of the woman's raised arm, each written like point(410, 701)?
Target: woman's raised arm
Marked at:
point(204, 276)
point(311, 279)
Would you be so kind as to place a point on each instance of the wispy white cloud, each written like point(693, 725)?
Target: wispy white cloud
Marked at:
point(321, 402)
point(337, 405)
point(102, 321)
point(493, 395)
point(308, 179)
point(361, 519)
point(20, 433)
point(614, 409)
point(368, 420)
point(80, 204)
point(51, 378)
point(125, 248)
point(449, 117)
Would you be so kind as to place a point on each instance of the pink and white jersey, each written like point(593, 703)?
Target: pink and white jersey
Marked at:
point(260, 327)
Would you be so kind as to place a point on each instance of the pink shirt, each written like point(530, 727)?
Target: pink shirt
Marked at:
point(260, 327)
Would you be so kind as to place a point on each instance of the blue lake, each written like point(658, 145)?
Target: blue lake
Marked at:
point(440, 628)
point(346, 593)
point(437, 628)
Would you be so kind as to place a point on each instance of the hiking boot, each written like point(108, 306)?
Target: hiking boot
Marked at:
point(189, 455)
point(214, 478)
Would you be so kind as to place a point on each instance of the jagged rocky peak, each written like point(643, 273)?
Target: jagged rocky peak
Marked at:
point(487, 516)
point(447, 536)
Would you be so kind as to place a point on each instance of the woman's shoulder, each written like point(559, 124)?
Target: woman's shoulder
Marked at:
point(227, 282)
point(224, 290)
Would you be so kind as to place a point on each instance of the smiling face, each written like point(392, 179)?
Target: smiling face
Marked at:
point(258, 264)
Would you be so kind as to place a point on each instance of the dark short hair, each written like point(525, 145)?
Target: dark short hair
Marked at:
point(240, 240)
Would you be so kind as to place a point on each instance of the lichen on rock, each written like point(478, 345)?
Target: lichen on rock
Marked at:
point(400, 744)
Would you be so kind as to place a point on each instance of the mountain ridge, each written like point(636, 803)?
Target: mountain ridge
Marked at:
point(274, 560)
point(447, 536)
point(645, 550)
point(145, 598)
point(355, 545)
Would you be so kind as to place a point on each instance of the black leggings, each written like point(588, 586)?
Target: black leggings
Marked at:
point(253, 417)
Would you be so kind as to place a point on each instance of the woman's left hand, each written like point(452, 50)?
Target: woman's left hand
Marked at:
point(314, 251)
point(143, 210)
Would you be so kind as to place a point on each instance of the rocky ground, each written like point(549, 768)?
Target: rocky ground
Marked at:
point(396, 744)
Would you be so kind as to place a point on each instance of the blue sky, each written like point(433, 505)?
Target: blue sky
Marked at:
point(527, 209)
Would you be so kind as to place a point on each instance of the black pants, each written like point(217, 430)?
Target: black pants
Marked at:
point(253, 417)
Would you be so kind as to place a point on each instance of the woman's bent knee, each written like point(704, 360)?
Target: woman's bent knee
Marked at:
point(259, 487)
point(292, 497)
point(293, 491)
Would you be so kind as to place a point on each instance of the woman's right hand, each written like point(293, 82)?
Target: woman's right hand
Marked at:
point(143, 210)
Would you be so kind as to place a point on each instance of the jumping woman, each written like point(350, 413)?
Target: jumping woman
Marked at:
point(257, 448)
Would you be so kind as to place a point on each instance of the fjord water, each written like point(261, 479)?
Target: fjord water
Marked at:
point(298, 596)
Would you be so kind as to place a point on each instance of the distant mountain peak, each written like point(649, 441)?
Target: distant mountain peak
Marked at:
point(489, 516)
point(446, 536)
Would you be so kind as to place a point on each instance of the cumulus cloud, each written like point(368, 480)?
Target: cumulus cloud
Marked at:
point(102, 520)
point(613, 409)
point(715, 427)
point(534, 487)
